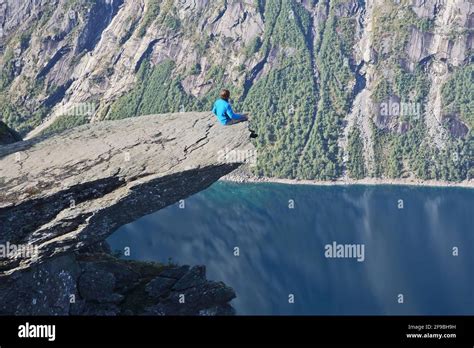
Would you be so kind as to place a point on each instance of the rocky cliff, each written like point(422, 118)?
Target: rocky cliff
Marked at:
point(97, 283)
point(68, 191)
point(64, 194)
point(336, 88)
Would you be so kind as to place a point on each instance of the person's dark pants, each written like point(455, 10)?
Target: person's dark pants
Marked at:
point(231, 121)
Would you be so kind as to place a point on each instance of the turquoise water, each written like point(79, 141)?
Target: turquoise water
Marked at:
point(407, 251)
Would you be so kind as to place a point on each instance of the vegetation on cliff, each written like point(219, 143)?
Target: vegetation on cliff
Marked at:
point(295, 67)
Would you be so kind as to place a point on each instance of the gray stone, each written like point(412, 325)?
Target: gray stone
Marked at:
point(196, 299)
point(44, 289)
point(71, 191)
point(223, 310)
point(175, 272)
point(194, 277)
point(159, 287)
point(83, 284)
point(102, 309)
point(125, 276)
point(155, 310)
point(96, 286)
point(77, 308)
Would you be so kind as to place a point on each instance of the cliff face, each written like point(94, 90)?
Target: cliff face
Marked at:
point(70, 191)
point(96, 283)
point(336, 88)
point(63, 195)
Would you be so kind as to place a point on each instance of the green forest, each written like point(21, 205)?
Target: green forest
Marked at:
point(299, 117)
point(297, 121)
point(300, 107)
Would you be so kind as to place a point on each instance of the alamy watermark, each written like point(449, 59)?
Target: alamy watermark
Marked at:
point(13, 251)
point(77, 109)
point(28, 330)
point(403, 109)
point(248, 156)
point(345, 251)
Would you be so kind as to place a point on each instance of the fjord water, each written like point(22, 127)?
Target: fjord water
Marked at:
point(408, 251)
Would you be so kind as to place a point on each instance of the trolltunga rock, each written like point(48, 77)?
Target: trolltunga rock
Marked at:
point(69, 191)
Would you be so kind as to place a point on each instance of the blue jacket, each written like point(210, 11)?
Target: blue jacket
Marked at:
point(223, 111)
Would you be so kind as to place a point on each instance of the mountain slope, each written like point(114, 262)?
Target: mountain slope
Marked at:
point(334, 88)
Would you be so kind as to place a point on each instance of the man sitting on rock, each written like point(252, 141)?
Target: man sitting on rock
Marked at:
point(223, 110)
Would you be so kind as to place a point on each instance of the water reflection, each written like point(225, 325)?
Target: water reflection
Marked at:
point(407, 251)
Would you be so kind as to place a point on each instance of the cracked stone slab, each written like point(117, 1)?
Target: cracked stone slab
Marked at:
point(74, 189)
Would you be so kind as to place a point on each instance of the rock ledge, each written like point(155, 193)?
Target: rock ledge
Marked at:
point(72, 190)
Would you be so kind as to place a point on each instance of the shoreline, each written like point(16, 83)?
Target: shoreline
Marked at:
point(246, 178)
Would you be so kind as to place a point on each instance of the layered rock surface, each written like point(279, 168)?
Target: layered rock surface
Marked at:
point(72, 190)
point(96, 57)
point(100, 284)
